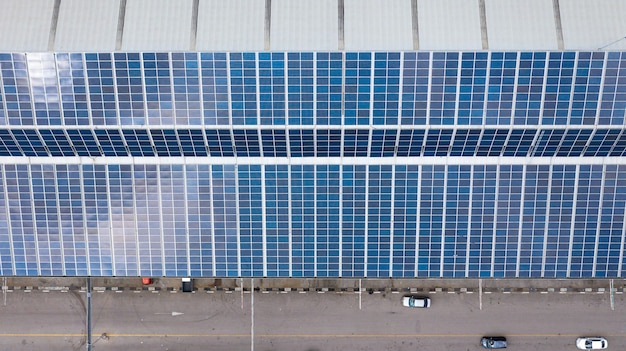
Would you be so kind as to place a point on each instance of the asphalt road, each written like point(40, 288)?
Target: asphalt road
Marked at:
point(306, 322)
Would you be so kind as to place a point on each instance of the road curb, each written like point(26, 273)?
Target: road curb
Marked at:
point(407, 290)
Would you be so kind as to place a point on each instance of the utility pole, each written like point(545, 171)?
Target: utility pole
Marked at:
point(88, 312)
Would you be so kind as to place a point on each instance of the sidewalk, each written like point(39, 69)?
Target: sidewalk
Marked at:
point(320, 284)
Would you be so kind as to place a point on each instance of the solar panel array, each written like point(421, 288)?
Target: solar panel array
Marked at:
point(312, 142)
point(341, 89)
point(313, 220)
point(308, 164)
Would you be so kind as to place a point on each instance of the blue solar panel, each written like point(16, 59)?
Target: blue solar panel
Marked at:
point(443, 87)
point(415, 88)
point(3, 120)
point(186, 83)
point(520, 142)
point(329, 92)
point(329, 143)
point(305, 88)
point(492, 142)
point(383, 143)
point(456, 232)
point(301, 143)
point(220, 143)
point(101, 86)
point(166, 143)
point(357, 88)
point(214, 77)
point(474, 221)
point(56, 142)
point(243, 85)
point(619, 148)
point(410, 142)
point(472, 88)
point(8, 145)
point(138, 142)
point(224, 210)
point(574, 142)
point(530, 82)
point(558, 89)
point(14, 73)
point(271, 88)
point(300, 94)
point(192, 142)
point(465, 142)
point(613, 99)
point(355, 143)
point(308, 143)
point(548, 142)
point(437, 142)
point(73, 89)
point(158, 85)
point(386, 96)
point(277, 220)
point(500, 87)
point(246, 143)
point(84, 142)
point(110, 141)
point(274, 143)
point(29, 141)
point(42, 76)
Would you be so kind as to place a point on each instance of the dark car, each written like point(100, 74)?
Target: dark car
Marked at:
point(493, 342)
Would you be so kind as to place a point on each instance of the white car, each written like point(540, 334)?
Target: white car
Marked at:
point(416, 302)
point(591, 343)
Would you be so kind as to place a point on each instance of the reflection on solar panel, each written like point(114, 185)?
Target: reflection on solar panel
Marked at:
point(313, 220)
point(382, 88)
point(341, 164)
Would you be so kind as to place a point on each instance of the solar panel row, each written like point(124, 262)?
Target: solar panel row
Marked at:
point(379, 88)
point(313, 143)
point(313, 220)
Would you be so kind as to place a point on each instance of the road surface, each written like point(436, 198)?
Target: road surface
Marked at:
point(309, 321)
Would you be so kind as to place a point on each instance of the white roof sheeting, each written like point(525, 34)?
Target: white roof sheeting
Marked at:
point(304, 25)
point(449, 25)
point(590, 25)
point(378, 25)
point(25, 24)
point(87, 25)
point(231, 25)
point(311, 25)
point(521, 25)
point(163, 25)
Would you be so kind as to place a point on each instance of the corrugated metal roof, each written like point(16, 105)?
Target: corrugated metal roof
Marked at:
point(25, 25)
point(590, 25)
point(240, 25)
point(449, 25)
point(230, 25)
point(87, 25)
point(521, 25)
point(378, 25)
point(157, 25)
point(304, 25)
